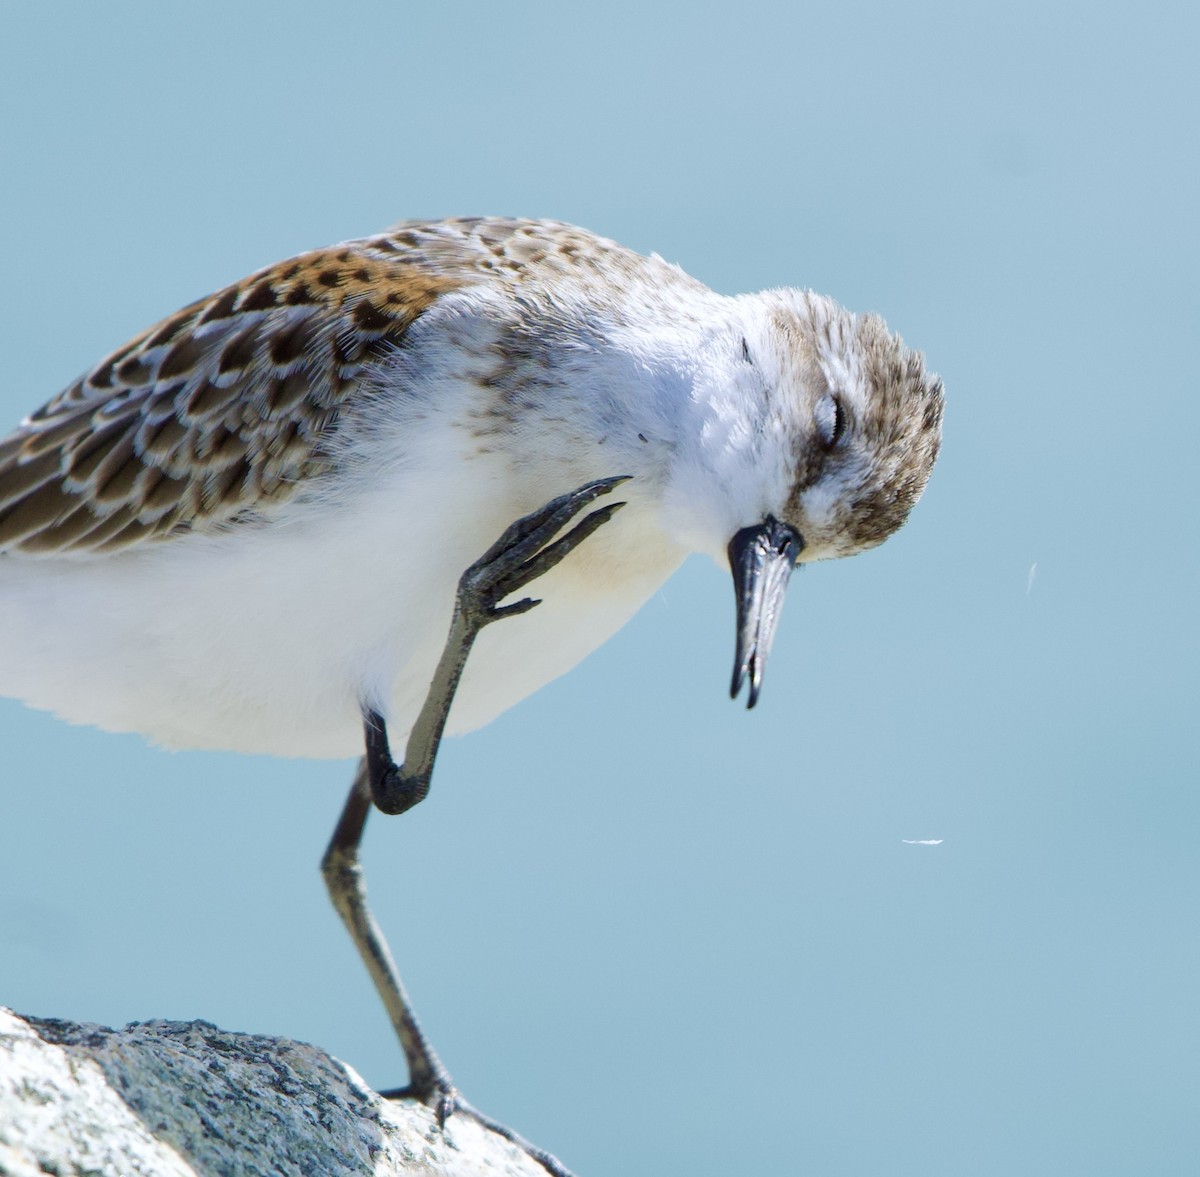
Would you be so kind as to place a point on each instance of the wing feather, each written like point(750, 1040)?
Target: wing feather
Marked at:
point(219, 412)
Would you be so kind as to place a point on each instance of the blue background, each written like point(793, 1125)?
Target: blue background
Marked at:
point(653, 932)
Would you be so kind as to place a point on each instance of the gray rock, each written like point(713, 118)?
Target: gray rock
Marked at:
point(185, 1099)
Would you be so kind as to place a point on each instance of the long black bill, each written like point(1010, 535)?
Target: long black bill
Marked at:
point(762, 559)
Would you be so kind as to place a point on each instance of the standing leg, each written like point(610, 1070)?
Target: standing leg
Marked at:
point(343, 878)
point(428, 1079)
point(522, 553)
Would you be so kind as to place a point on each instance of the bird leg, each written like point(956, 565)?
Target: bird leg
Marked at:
point(343, 878)
point(523, 553)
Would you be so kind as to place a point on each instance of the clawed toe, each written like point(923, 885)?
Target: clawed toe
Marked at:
point(525, 551)
point(445, 1101)
point(548, 1161)
point(531, 531)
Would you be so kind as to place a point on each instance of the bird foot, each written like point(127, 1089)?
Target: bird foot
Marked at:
point(444, 1100)
point(524, 552)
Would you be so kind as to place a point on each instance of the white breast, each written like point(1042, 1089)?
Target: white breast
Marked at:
point(267, 639)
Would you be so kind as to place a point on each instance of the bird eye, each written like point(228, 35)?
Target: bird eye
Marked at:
point(831, 421)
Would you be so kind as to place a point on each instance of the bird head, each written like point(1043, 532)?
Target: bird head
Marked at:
point(813, 434)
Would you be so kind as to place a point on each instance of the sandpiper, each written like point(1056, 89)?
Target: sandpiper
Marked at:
point(284, 519)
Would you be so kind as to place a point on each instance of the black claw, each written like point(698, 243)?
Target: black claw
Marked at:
point(445, 1106)
point(589, 523)
point(525, 551)
point(524, 537)
point(516, 608)
point(546, 558)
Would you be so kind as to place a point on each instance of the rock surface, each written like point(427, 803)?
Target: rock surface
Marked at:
point(185, 1099)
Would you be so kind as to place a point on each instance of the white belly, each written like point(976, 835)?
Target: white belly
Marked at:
point(268, 640)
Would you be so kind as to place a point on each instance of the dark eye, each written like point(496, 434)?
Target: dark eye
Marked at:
point(831, 421)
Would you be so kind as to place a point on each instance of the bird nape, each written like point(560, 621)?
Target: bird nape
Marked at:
point(326, 447)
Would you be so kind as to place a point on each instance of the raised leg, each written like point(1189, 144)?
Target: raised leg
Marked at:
point(522, 553)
